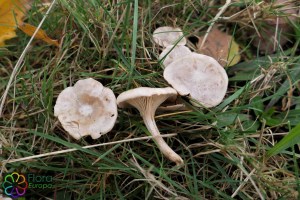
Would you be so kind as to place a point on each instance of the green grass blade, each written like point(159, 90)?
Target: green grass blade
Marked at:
point(288, 141)
point(232, 97)
point(134, 40)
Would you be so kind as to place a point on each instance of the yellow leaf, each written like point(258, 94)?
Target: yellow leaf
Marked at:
point(233, 56)
point(42, 35)
point(11, 14)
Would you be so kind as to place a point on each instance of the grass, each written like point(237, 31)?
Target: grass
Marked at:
point(224, 148)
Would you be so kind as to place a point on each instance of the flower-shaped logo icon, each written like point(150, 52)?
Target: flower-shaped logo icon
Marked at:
point(15, 185)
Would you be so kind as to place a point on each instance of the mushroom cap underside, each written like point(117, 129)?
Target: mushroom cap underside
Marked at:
point(143, 92)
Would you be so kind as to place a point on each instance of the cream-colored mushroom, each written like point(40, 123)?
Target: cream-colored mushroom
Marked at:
point(87, 108)
point(166, 36)
point(146, 100)
point(172, 53)
point(199, 76)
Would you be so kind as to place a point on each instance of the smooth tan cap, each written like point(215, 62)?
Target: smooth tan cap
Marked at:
point(199, 76)
point(166, 36)
point(87, 108)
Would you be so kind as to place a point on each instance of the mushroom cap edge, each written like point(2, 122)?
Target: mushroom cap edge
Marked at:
point(143, 92)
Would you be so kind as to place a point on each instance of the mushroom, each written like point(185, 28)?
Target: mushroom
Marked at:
point(146, 100)
point(172, 53)
point(87, 108)
point(199, 76)
point(166, 36)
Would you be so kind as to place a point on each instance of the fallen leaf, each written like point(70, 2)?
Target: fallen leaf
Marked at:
point(11, 14)
point(233, 56)
point(220, 46)
point(41, 34)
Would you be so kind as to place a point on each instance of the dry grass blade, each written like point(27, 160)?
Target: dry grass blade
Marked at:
point(84, 147)
point(151, 178)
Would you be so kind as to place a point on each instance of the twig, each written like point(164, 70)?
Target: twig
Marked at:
point(20, 60)
point(85, 147)
point(222, 10)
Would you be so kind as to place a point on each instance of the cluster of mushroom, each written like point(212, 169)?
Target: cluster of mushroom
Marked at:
point(191, 74)
point(88, 108)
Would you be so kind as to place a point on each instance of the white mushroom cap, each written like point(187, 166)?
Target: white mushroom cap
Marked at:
point(146, 100)
point(166, 36)
point(199, 76)
point(172, 53)
point(87, 108)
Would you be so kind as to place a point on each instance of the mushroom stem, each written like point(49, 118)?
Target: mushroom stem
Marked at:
point(147, 100)
point(160, 142)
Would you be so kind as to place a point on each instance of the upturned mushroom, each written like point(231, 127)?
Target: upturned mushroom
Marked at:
point(146, 100)
point(200, 77)
point(166, 36)
point(172, 53)
point(87, 108)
